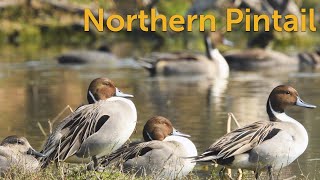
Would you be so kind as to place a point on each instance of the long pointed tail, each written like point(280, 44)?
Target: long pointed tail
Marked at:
point(145, 63)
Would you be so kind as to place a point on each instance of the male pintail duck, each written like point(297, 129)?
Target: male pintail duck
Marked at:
point(263, 145)
point(258, 58)
point(102, 55)
point(93, 130)
point(183, 63)
point(16, 152)
point(163, 154)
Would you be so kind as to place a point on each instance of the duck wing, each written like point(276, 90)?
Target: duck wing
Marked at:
point(66, 140)
point(239, 141)
point(129, 151)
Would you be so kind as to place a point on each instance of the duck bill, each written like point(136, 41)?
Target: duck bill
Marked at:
point(227, 42)
point(35, 153)
point(301, 103)
point(121, 94)
point(178, 133)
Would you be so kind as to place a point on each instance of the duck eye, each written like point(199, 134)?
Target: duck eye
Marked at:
point(108, 84)
point(287, 92)
point(19, 142)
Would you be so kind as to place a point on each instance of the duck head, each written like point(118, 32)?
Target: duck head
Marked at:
point(103, 88)
point(282, 97)
point(158, 128)
point(20, 144)
point(212, 39)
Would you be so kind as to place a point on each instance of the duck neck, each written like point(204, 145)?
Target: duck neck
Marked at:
point(270, 111)
point(209, 46)
point(278, 115)
point(220, 61)
point(91, 98)
point(302, 135)
point(214, 55)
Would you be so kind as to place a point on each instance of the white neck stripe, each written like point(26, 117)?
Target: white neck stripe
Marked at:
point(90, 93)
point(281, 116)
point(149, 136)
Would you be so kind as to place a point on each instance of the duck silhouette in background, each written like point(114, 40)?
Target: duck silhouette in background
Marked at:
point(212, 65)
point(102, 55)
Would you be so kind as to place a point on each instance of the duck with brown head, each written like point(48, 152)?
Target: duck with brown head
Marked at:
point(280, 98)
point(102, 89)
point(264, 145)
point(158, 128)
point(162, 155)
point(93, 130)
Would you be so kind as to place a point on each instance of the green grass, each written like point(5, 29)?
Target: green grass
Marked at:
point(68, 171)
point(201, 171)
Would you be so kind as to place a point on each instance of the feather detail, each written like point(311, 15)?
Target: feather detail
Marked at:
point(238, 141)
point(74, 129)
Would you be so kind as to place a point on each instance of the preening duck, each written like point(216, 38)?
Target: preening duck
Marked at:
point(162, 155)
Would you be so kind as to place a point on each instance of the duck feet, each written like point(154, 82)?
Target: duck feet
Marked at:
point(239, 177)
point(225, 175)
point(270, 173)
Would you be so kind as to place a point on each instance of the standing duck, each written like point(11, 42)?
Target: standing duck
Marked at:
point(93, 130)
point(212, 65)
point(16, 152)
point(162, 155)
point(263, 145)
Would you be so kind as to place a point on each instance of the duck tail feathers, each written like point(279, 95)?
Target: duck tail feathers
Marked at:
point(202, 158)
point(146, 64)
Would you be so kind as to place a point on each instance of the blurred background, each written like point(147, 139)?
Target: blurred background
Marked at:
point(47, 62)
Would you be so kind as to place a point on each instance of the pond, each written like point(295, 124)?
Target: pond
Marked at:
point(34, 92)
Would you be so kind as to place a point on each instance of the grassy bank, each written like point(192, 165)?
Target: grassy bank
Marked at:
point(74, 171)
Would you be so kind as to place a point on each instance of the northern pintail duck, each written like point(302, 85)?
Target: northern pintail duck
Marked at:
point(309, 60)
point(16, 152)
point(93, 130)
point(263, 145)
point(162, 155)
point(102, 55)
point(258, 58)
point(186, 63)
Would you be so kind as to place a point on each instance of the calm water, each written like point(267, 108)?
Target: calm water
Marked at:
point(35, 92)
